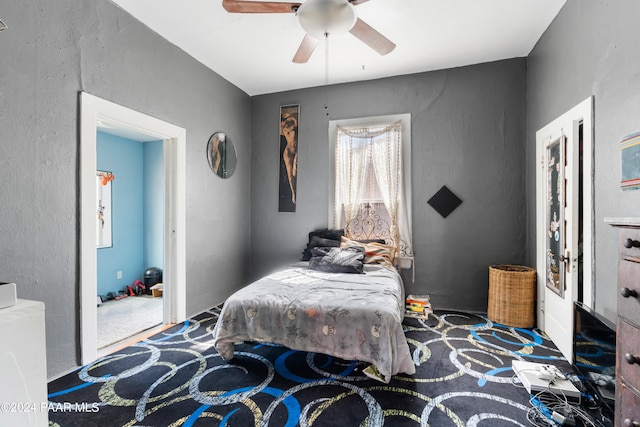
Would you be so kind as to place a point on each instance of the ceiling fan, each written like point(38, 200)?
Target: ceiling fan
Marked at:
point(318, 18)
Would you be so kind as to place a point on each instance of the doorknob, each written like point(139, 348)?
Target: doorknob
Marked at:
point(629, 243)
point(568, 263)
point(631, 359)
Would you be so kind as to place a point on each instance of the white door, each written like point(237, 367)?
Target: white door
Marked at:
point(559, 229)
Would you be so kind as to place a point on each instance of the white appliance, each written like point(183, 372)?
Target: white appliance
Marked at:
point(534, 378)
point(23, 365)
point(7, 294)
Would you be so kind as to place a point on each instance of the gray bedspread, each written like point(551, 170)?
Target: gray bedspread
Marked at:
point(350, 316)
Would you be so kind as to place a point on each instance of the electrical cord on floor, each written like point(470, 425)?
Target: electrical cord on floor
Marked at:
point(552, 409)
point(560, 412)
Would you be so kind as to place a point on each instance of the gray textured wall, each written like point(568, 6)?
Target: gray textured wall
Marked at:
point(468, 132)
point(590, 49)
point(51, 51)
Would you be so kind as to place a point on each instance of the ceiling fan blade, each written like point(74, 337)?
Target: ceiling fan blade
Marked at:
point(250, 6)
point(372, 38)
point(357, 2)
point(305, 50)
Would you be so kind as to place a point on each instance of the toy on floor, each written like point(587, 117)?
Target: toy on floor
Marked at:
point(136, 289)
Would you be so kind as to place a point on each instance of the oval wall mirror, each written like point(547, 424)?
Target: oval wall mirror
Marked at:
point(221, 155)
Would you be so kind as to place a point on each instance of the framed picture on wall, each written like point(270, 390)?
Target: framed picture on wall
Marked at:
point(630, 162)
point(288, 178)
point(103, 209)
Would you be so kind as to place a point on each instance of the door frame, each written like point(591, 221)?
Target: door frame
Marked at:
point(582, 112)
point(95, 112)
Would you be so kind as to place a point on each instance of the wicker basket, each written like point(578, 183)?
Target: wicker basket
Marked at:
point(512, 295)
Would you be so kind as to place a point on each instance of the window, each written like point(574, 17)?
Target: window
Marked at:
point(371, 198)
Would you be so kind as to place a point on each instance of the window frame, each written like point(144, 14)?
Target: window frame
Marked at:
point(405, 119)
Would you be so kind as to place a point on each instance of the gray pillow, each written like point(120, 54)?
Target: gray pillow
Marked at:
point(337, 260)
point(325, 233)
point(317, 241)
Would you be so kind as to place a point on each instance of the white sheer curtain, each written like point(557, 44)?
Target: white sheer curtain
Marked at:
point(381, 147)
point(386, 157)
point(352, 166)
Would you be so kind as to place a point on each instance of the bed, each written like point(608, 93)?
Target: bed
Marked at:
point(308, 306)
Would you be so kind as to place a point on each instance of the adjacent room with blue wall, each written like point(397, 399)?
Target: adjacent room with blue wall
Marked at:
point(137, 210)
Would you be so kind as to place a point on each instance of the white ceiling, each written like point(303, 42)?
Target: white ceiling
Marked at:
point(254, 51)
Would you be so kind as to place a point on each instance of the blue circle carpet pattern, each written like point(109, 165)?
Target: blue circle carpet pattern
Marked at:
point(176, 378)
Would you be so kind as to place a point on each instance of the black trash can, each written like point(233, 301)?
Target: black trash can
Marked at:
point(152, 275)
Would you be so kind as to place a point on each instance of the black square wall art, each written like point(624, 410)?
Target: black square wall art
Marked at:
point(444, 201)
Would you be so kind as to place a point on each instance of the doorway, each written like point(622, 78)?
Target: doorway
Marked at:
point(97, 113)
point(564, 225)
point(130, 183)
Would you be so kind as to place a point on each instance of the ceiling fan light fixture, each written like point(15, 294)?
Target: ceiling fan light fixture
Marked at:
point(320, 17)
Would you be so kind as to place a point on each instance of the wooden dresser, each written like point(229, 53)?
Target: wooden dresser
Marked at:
point(628, 329)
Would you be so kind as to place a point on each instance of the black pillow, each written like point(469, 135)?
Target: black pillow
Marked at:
point(327, 233)
point(337, 260)
point(325, 237)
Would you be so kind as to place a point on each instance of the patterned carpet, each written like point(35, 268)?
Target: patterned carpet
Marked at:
point(463, 378)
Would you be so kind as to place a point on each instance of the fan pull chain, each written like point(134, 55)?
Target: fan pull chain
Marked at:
point(326, 73)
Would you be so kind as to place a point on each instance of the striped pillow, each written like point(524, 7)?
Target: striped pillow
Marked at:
point(374, 253)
